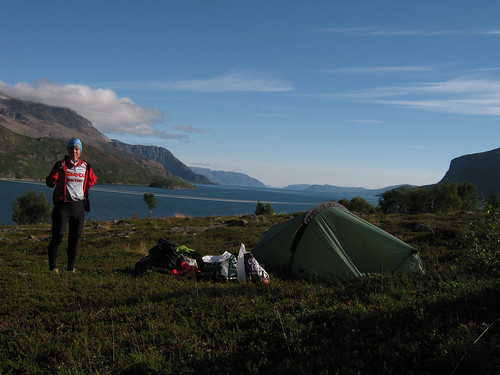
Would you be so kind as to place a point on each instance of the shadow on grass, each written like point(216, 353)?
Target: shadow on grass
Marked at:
point(409, 340)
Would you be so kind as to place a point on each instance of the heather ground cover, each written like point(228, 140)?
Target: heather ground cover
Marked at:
point(106, 320)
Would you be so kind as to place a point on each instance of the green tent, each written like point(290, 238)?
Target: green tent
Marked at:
point(330, 242)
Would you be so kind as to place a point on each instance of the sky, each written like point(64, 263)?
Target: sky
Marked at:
point(347, 93)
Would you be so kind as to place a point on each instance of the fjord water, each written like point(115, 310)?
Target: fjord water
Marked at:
point(114, 202)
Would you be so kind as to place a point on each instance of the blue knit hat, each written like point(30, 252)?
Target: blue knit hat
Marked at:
point(74, 142)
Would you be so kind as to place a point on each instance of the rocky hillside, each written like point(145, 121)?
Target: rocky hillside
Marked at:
point(167, 160)
point(27, 158)
point(34, 135)
point(480, 169)
point(38, 120)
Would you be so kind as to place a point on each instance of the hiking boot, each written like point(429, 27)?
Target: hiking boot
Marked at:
point(72, 270)
point(55, 270)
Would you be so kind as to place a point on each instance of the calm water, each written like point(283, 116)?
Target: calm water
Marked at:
point(109, 202)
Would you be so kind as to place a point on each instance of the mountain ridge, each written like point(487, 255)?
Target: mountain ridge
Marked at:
point(349, 190)
point(228, 178)
point(38, 120)
point(167, 159)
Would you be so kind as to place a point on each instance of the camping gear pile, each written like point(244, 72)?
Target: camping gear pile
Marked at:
point(167, 257)
point(331, 242)
point(328, 242)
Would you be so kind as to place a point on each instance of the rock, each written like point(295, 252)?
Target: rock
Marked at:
point(424, 228)
point(237, 223)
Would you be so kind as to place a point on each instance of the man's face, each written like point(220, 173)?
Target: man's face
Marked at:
point(74, 152)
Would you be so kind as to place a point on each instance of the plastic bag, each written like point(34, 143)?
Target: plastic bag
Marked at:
point(249, 269)
point(224, 266)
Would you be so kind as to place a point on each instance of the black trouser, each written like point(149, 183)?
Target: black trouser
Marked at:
point(64, 213)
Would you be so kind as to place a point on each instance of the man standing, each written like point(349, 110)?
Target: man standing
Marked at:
point(72, 178)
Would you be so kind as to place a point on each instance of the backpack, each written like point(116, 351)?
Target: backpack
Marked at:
point(162, 258)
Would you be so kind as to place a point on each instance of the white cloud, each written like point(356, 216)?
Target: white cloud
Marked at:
point(381, 69)
point(188, 129)
point(234, 81)
point(366, 121)
point(464, 95)
point(403, 146)
point(107, 112)
point(371, 31)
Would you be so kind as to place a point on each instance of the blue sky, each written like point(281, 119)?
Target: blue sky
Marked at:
point(348, 93)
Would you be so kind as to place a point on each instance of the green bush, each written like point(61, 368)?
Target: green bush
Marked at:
point(344, 202)
point(419, 200)
point(394, 201)
point(31, 209)
point(262, 209)
point(360, 205)
point(491, 203)
point(482, 246)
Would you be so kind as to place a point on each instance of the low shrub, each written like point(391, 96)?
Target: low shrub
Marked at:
point(106, 320)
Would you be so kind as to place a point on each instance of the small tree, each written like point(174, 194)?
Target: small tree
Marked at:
point(468, 194)
point(31, 209)
point(151, 201)
point(262, 209)
point(270, 209)
point(446, 198)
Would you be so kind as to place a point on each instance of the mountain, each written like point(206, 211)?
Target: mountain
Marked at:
point(33, 137)
point(480, 169)
point(228, 178)
point(39, 120)
point(298, 187)
point(167, 159)
point(27, 158)
point(341, 189)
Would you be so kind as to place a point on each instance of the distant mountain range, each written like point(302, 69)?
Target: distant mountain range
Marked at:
point(228, 178)
point(33, 136)
point(338, 190)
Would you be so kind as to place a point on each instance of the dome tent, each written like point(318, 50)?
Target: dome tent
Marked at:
point(330, 242)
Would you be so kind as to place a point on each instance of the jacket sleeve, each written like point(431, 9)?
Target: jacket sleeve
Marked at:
point(92, 178)
point(54, 174)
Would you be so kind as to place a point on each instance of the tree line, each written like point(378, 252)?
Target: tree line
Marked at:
point(443, 198)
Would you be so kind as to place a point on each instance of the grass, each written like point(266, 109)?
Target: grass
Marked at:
point(106, 320)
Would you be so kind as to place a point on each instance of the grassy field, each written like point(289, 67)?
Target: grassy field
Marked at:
point(106, 320)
